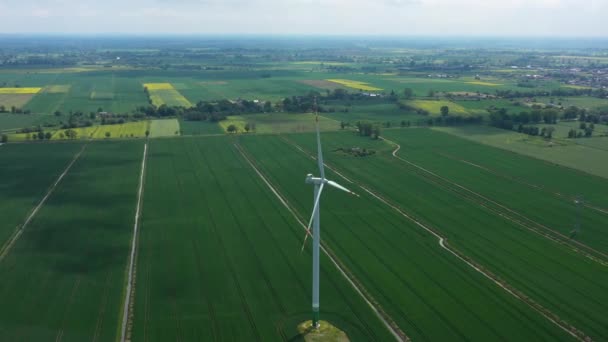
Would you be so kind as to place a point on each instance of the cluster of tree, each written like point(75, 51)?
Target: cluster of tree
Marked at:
point(356, 151)
point(502, 119)
point(586, 131)
point(14, 110)
point(405, 107)
point(561, 92)
point(207, 110)
point(546, 132)
point(40, 135)
point(4, 138)
point(368, 129)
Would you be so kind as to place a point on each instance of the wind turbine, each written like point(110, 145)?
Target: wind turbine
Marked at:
point(315, 221)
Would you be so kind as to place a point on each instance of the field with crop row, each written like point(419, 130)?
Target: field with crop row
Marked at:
point(211, 266)
point(447, 156)
point(63, 279)
point(402, 265)
point(526, 260)
point(576, 156)
point(26, 173)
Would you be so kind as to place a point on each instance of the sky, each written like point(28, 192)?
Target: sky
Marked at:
point(560, 18)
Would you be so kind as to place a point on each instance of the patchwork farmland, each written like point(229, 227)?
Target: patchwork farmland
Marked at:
point(215, 245)
point(158, 191)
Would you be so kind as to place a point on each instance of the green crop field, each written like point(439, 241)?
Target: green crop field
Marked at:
point(481, 231)
point(576, 156)
point(22, 181)
point(199, 127)
point(234, 261)
point(72, 255)
point(11, 122)
point(148, 212)
point(379, 246)
point(164, 128)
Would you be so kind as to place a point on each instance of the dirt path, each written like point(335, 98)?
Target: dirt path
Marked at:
point(505, 212)
point(17, 234)
point(378, 311)
point(442, 241)
point(127, 311)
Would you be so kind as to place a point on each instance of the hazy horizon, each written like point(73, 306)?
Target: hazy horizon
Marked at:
point(390, 18)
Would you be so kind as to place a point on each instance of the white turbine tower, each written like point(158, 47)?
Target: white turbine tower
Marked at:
point(319, 184)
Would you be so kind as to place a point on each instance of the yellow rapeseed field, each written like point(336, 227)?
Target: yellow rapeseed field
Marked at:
point(487, 84)
point(354, 84)
point(158, 86)
point(19, 90)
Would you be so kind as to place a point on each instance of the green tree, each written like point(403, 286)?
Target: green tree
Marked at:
point(247, 127)
point(108, 134)
point(376, 132)
point(445, 110)
point(408, 93)
point(48, 135)
point(40, 135)
point(147, 133)
point(231, 129)
point(4, 138)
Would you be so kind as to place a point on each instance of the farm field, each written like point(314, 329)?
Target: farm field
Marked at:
point(73, 254)
point(446, 156)
point(22, 181)
point(164, 128)
point(524, 259)
point(11, 122)
point(234, 274)
point(575, 156)
point(433, 107)
point(199, 127)
point(165, 94)
point(127, 130)
point(280, 123)
point(375, 112)
point(378, 245)
point(358, 85)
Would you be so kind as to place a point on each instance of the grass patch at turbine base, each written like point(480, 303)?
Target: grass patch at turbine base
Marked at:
point(325, 333)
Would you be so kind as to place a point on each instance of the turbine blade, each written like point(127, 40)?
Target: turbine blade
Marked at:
point(340, 187)
point(319, 150)
point(312, 217)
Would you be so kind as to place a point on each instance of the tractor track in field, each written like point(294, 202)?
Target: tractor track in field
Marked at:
point(274, 294)
point(102, 307)
point(129, 300)
point(518, 180)
point(550, 316)
point(6, 248)
point(75, 287)
point(243, 298)
point(393, 328)
point(508, 214)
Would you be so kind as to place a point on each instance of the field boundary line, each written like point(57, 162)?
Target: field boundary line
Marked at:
point(378, 311)
point(547, 314)
point(548, 233)
point(6, 248)
point(127, 312)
